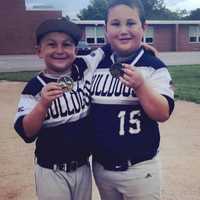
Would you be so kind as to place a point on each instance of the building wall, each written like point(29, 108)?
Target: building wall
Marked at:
point(18, 26)
point(173, 38)
point(164, 37)
point(184, 43)
point(83, 28)
point(167, 37)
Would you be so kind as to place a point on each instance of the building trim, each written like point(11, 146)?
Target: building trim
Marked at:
point(101, 22)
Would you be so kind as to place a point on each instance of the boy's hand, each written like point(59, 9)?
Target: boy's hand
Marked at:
point(50, 92)
point(132, 77)
point(150, 48)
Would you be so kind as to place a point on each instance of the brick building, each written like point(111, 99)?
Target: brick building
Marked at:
point(18, 26)
point(175, 35)
point(163, 35)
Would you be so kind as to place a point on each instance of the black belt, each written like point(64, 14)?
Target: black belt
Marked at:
point(115, 165)
point(69, 166)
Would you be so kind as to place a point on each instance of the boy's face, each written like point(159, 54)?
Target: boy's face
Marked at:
point(124, 29)
point(58, 51)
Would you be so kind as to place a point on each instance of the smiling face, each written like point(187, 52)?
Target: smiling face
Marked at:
point(124, 29)
point(58, 51)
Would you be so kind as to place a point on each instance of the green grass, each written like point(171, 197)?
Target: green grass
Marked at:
point(187, 82)
point(185, 78)
point(17, 76)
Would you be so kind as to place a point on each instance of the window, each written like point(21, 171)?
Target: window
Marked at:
point(100, 35)
point(90, 34)
point(194, 33)
point(95, 34)
point(149, 35)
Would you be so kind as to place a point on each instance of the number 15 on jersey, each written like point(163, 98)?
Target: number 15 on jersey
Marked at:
point(134, 124)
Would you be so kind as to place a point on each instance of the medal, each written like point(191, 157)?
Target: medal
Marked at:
point(116, 70)
point(66, 83)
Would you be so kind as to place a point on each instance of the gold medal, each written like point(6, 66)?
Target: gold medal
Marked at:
point(116, 70)
point(66, 83)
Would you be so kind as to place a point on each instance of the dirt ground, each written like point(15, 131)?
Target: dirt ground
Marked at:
point(180, 152)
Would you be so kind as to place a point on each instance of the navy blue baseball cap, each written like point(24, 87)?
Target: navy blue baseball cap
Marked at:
point(58, 25)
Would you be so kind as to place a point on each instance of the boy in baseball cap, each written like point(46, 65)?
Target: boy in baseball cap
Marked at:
point(58, 118)
point(58, 25)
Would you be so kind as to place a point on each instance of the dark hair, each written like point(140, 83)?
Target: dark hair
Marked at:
point(58, 25)
point(130, 3)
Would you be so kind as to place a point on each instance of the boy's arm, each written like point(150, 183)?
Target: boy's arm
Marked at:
point(158, 107)
point(34, 120)
point(94, 58)
point(155, 105)
point(31, 112)
point(150, 49)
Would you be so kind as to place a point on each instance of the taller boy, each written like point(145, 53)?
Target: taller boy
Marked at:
point(125, 111)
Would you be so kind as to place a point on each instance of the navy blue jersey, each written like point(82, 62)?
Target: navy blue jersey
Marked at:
point(65, 134)
point(122, 130)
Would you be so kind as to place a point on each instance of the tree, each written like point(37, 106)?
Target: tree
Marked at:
point(152, 5)
point(95, 11)
point(155, 9)
point(194, 15)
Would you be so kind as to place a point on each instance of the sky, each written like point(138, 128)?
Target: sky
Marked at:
point(182, 4)
point(72, 7)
